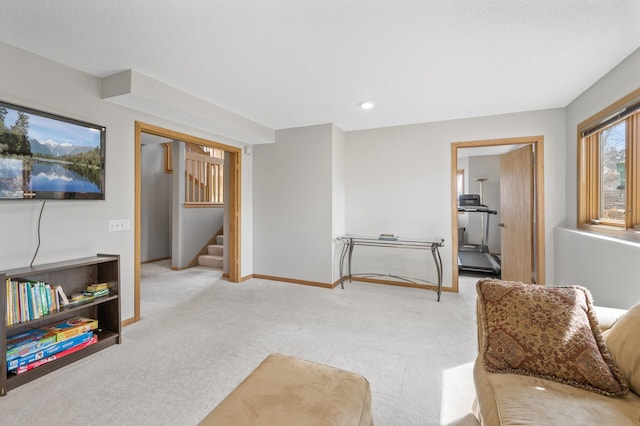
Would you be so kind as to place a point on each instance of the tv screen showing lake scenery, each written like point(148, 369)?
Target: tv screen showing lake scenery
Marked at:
point(45, 156)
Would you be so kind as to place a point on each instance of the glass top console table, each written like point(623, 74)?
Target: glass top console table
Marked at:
point(350, 241)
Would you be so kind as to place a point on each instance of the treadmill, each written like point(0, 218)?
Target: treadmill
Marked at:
point(476, 257)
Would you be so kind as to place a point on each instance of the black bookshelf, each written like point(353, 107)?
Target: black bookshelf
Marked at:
point(73, 276)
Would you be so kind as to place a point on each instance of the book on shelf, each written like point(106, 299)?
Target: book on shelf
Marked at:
point(80, 297)
point(86, 295)
point(97, 287)
point(61, 297)
point(23, 369)
point(27, 342)
point(24, 303)
point(96, 290)
point(38, 305)
point(96, 293)
point(47, 351)
point(71, 327)
point(28, 300)
point(9, 299)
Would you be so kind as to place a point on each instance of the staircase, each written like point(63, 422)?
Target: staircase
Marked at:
point(214, 257)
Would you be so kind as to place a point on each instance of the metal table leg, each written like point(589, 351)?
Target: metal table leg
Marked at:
point(342, 256)
point(351, 244)
point(438, 260)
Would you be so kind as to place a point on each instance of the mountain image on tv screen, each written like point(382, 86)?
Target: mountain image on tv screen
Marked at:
point(46, 157)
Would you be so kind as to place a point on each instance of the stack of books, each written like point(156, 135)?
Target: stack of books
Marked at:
point(97, 290)
point(91, 292)
point(29, 300)
point(33, 348)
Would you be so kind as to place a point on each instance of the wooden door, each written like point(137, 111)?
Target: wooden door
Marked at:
point(516, 210)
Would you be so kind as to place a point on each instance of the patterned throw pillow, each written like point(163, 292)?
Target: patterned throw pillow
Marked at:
point(546, 332)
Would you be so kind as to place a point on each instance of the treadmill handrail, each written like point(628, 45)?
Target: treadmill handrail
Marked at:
point(476, 209)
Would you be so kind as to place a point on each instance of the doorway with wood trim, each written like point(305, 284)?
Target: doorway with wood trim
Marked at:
point(520, 234)
point(232, 200)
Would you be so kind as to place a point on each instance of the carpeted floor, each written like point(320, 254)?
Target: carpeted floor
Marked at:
point(200, 336)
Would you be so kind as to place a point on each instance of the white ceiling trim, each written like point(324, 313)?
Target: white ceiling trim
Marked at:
point(140, 92)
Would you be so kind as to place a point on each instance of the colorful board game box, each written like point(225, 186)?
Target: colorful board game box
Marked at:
point(48, 351)
point(30, 341)
point(59, 355)
point(71, 327)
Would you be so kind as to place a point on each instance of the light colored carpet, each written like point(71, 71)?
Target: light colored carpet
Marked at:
point(200, 336)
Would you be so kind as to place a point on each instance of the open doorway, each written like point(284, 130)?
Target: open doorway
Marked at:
point(518, 242)
point(156, 204)
point(232, 200)
point(182, 206)
point(479, 214)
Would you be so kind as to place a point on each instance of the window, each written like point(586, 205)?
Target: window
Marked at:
point(609, 170)
point(613, 149)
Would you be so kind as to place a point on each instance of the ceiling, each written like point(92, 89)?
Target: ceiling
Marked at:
point(291, 63)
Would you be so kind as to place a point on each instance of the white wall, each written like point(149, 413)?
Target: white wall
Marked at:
point(619, 82)
point(72, 229)
point(338, 170)
point(138, 91)
point(292, 205)
point(155, 211)
point(608, 267)
point(199, 225)
point(399, 180)
point(246, 236)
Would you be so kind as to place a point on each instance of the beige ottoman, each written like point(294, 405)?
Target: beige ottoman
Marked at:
point(284, 391)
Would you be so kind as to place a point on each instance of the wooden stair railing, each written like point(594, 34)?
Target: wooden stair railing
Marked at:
point(204, 176)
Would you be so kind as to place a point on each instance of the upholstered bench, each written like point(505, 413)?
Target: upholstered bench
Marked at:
point(284, 391)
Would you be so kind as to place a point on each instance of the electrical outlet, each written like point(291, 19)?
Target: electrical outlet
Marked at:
point(119, 225)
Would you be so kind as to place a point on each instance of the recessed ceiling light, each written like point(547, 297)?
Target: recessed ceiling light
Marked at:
point(366, 105)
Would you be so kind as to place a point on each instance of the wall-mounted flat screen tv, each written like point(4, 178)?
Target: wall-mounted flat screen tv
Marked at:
point(46, 156)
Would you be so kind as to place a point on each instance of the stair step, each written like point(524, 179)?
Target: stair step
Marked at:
point(210, 261)
point(220, 240)
point(216, 250)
